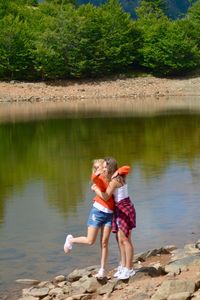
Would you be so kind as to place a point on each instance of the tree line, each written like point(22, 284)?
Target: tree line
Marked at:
point(57, 39)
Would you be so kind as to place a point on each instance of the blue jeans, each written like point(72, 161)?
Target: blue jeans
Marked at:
point(98, 218)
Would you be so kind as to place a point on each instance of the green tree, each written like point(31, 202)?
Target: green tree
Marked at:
point(50, 54)
point(192, 23)
point(61, 3)
point(167, 48)
point(151, 7)
point(120, 37)
point(15, 45)
point(16, 7)
point(87, 41)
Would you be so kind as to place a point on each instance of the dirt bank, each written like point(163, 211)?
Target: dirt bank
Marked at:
point(144, 94)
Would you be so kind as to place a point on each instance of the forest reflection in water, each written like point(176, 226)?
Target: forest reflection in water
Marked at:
point(45, 187)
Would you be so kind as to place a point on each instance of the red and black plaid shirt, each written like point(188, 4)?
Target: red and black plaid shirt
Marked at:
point(124, 216)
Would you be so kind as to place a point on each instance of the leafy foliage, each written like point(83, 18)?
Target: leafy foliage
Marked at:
point(57, 39)
point(167, 46)
point(192, 23)
point(15, 40)
point(87, 41)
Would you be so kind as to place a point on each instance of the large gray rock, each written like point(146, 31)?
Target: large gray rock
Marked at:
point(164, 250)
point(47, 284)
point(170, 287)
point(107, 288)
point(182, 264)
point(55, 292)
point(36, 292)
point(188, 250)
point(77, 274)
point(59, 278)
point(145, 272)
point(91, 285)
point(178, 254)
point(77, 288)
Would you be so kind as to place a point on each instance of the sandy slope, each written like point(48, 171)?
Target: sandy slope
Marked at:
point(144, 94)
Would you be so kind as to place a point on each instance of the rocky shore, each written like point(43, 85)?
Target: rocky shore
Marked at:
point(69, 90)
point(139, 94)
point(167, 273)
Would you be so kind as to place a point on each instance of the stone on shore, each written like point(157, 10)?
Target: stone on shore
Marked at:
point(170, 287)
point(162, 274)
point(28, 281)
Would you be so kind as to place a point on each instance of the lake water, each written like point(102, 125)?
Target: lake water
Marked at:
point(45, 187)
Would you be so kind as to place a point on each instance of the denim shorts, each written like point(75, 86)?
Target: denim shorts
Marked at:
point(98, 218)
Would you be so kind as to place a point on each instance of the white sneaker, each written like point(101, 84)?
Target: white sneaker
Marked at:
point(132, 272)
point(101, 274)
point(126, 273)
point(67, 244)
point(119, 270)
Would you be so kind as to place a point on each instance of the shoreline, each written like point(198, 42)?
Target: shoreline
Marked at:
point(160, 272)
point(26, 100)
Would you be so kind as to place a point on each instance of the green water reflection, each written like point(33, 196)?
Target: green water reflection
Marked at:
point(59, 152)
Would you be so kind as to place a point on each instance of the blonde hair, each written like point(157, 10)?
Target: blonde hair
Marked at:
point(98, 161)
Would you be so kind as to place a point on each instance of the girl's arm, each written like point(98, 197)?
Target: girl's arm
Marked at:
point(121, 171)
point(109, 191)
point(100, 181)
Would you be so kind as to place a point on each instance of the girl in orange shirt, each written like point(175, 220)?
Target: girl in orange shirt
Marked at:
point(100, 217)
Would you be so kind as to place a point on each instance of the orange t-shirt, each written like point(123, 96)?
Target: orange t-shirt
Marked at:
point(123, 170)
point(102, 184)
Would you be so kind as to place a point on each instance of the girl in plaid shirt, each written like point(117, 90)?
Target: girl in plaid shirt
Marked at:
point(124, 218)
